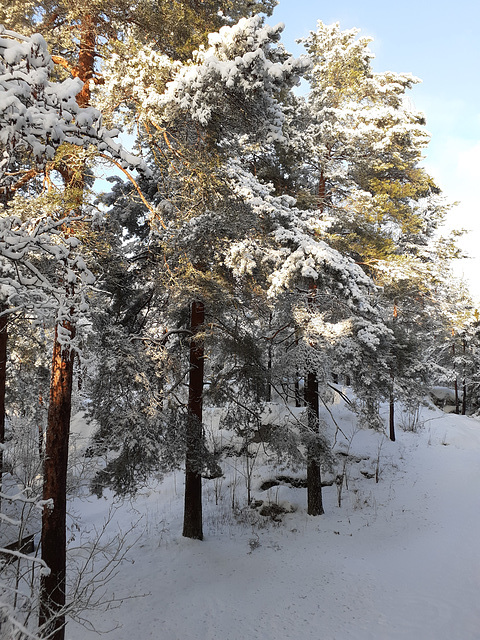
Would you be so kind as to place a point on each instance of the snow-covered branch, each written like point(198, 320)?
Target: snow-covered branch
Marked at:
point(38, 115)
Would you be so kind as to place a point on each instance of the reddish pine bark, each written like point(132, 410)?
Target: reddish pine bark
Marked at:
point(86, 58)
point(52, 589)
point(192, 517)
point(54, 552)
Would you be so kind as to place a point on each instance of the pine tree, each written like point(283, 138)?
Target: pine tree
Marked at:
point(364, 143)
point(199, 209)
point(43, 116)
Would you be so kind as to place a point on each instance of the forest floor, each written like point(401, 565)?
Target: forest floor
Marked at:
point(399, 560)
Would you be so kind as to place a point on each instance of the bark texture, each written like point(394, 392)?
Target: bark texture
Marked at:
point(314, 480)
point(192, 518)
point(86, 58)
point(52, 588)
point(392, 418)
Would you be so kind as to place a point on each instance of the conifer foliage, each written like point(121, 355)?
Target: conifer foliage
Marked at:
point(256, 247)
point(43, 270)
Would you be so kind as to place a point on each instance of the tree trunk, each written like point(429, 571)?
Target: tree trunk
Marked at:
point(86, 58)
point(3, 386)
point(392, 417)
point(322, 190)
point(297, 389)
point(457, 397)
point(52, 587)
point(268, 397)
point(296, 384)
point(392, 410)
point(393, 369)
point(314, 481)
point(192, 516)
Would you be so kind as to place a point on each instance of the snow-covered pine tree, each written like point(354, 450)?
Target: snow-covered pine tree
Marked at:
point(86, 22)
point(288, 233)
point(471, 354)
point(135, 360)
point(455, 345)
point(194, 136)
point(39, 117)
point(326, 300)
point(31, 132)
point(364, 142)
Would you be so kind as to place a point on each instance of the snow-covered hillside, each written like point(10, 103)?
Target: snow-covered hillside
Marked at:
point(398, 561)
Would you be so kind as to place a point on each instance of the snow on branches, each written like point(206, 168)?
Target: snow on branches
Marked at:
point(41, 269)
point(240, 61)
point(297, 253)
point(330, 299)
point(38, 115)
point(237, 79)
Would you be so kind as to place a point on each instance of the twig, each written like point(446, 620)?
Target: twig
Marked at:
point(133, 181)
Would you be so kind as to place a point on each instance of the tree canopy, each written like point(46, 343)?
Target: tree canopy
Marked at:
point(249, 246)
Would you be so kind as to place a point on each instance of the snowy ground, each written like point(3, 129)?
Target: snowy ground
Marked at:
point(398, 561)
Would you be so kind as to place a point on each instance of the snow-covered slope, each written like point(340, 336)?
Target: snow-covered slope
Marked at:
point(398, 561)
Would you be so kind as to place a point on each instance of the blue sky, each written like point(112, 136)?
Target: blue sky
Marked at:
point(439, 43)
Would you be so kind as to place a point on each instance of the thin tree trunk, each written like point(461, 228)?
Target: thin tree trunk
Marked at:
point(322, 190)
point(192, 517)
point(392, 417)
point(393, 369)
point(297, 388)
point(314, 480)
point(269, 374)
point(457, 399)
point(296, 384)
point(40, 433)
point(269, 361)
point(52, 587)
point(3, 386)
